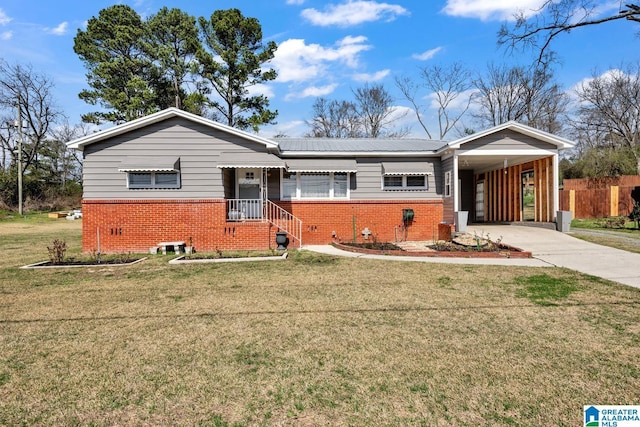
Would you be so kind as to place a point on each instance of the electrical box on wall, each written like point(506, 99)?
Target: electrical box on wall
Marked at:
point(407, 215)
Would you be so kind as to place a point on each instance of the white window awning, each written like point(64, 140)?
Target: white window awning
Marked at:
point(249, 160)
point(149, 164)
point(322, 165)
point(407, 168)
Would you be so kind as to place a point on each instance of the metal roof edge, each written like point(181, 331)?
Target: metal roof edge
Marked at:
point(160, 116)
point(558, 141)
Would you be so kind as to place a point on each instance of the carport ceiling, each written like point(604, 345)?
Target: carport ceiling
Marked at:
point(485, 163)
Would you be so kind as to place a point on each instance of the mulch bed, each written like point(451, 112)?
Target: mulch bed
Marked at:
point(454, 251)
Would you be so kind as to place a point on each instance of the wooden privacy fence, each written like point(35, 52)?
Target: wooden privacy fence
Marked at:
point(598, 197)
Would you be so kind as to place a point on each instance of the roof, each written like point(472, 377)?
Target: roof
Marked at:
point(351, 146)
point(160, 116)
point(559, 142)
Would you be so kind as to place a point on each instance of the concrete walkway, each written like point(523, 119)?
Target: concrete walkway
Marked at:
point(563, 250)
point(549, 248)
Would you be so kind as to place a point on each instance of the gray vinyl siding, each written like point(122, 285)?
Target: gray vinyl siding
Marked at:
point(368, 181)
point(507, 140)
point(447, 166)
point(197, 146)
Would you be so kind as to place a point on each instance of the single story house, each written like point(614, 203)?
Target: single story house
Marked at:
point(175, 176)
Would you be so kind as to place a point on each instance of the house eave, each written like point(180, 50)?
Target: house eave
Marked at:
point(336, 154)
point(561, 143)
point(80, 143)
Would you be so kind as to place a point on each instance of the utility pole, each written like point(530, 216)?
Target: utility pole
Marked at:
point(19, 124)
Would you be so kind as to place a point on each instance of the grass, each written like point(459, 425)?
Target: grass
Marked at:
point(621, 224)
point(313, 340)
point(626, 237)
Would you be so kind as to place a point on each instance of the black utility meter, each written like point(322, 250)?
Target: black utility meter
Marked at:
point(407, 215)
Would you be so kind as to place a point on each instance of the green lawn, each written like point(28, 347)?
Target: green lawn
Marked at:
point(312, 340)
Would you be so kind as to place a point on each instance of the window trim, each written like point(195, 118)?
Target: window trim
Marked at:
point(447, 183)
point(404, 186)
point(153, 185)
point(298, 196)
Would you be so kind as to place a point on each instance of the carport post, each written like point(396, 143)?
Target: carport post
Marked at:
point(454, 183)
point(556, 184)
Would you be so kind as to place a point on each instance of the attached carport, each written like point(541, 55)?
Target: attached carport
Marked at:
point(508, 173)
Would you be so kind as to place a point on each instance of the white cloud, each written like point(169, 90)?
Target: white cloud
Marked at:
point(297, 61)
point(7, 35)
point(457, 104)
point(581, 14)
point(353, 13)
point(60, 30)
point(4, 19)
point(607, 76)
point(425, 56)
point(295, 2)
point(293, 128)
point(313, 91)
point(261, 89)
point(371, 77)
point(492, 9)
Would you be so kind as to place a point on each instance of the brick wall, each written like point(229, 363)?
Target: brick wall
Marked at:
point(383, 219)
point(137, 225)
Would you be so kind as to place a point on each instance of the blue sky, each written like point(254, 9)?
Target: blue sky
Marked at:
point(325, 48)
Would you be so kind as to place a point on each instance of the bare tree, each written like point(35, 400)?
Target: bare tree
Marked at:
point(66, 163)
point(374, 108)
point(609, 112)
point(370, 115)
point(529, 96)
point(334, 119)
point(448, 87)
point(555, 17)
point(32, 91)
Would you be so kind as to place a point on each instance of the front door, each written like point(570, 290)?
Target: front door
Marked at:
point(528, 196)
point(480, 201)
point(249, 191)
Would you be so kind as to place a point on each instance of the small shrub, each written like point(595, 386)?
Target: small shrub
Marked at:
point(57, 251)
point(615, 222)
point(635, 213)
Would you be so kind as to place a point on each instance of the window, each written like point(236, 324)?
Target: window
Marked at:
point(315, 185)
point(416, 181)
point(447, 183)
point(289, 185)
point(405, 182)
point(153, 180)
point(340, 185)
point(393, 181)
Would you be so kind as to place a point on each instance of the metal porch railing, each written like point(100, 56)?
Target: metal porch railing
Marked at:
point(257, 210)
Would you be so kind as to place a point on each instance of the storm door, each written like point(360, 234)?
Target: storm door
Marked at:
point(249, 191)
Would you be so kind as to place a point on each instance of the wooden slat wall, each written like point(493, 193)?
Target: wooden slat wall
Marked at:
point(503, 192)
point(597, 202)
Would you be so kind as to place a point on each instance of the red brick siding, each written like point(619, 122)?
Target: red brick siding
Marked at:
point(383, 218)
point(137, 225)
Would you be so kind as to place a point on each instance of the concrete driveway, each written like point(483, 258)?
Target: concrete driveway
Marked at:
point(563, 250)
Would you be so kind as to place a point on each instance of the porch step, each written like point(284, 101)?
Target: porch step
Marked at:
point(547, 225)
